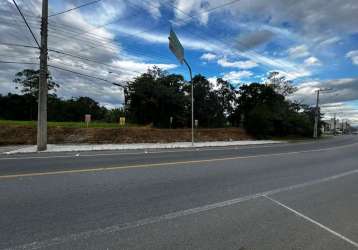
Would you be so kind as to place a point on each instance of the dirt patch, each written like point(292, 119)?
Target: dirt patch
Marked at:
point(20, 135)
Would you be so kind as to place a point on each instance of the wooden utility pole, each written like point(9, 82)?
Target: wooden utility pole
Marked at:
point(43, 89)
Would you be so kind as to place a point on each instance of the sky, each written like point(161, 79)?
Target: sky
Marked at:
point(314, 43)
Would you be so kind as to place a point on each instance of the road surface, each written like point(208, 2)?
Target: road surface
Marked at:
point(287, 196)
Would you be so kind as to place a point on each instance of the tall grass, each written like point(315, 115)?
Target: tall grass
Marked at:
point(93, 124)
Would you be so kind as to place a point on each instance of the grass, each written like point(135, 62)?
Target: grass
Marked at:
point(63, 124)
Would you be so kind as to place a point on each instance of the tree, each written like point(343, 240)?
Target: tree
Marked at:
point(113, 115)
point(155, 96)
point(227, 97)
point(18, 107)
point(280, 84)
point(211, 107)
point(267, 113)
point(28, 81)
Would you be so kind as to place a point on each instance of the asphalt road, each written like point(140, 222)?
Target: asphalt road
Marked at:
point(287, 196)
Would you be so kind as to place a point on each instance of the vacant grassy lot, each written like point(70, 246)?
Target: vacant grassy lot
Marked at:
point(24, 132)
point(63, 124)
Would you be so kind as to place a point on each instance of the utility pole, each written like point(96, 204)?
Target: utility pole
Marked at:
point(315, 129)
point(334, 124)
point(317, 112)
point(43, 88)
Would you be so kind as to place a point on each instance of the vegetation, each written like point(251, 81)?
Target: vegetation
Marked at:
point(28, 81)
point(163, 100)
point(94, 124)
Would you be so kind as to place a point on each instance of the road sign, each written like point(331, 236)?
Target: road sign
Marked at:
point(122, 121)
point(178, 50)
point(87, 119)
point(176, 47)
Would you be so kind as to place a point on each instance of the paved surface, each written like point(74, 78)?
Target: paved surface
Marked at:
point(4, 149)
point(289, 196)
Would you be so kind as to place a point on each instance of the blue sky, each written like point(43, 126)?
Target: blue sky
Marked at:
point(312, 43)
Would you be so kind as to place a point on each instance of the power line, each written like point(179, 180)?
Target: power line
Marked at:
point(219, 6)
point(223, 41)
point(204, 11)
point(18, 45)
point(78, 73)
point(157, 26)
point(17, 62)
point(77, 7)
point(86, 59)
point(89, 31)
point(30, 6)
point(91, 60)
point(23, 17)
point(13, 20)
point(71, 55)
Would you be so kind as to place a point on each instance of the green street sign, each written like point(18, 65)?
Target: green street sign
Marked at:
point(175, 46)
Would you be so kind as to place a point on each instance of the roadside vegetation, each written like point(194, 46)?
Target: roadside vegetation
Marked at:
point(93, 124)
point(161, 100)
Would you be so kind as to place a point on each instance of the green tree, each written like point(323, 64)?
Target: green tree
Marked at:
point(210, 106)
point(227, 97)
point(155, 96)
point(28, 82)
point(266, 112)
point(113, 115)
point(280, 83)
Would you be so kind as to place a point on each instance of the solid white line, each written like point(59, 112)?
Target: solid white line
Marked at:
point(151, 220)
point(314, 222)
point(118, 228)
point(310, 183)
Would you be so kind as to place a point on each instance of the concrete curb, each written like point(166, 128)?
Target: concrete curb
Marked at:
point(102, 147)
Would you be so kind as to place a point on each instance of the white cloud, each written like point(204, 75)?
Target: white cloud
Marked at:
point(329, 41)
point(353, 55)
point(298, 51)
point(155, 9)
point(186, 8)
point(343, 90)
point(343, 111)
point(237, 76)
point(312, 61)
point(98, 45)
point(213, 82)
point(208, 57)
point(139, 67)
point(294, 74)
point(162, 38)
point(237, 64)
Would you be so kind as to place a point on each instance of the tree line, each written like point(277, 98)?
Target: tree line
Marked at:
point(263, 109)
point(163, 100)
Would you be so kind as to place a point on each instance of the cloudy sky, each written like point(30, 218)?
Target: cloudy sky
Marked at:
point(312, 42)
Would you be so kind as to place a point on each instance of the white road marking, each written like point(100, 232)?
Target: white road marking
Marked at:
point(151, 220)
point(314, 222)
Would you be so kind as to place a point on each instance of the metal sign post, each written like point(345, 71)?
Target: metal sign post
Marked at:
point(178, 50)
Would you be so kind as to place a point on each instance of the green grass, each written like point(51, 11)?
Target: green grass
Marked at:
point(64, 124)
